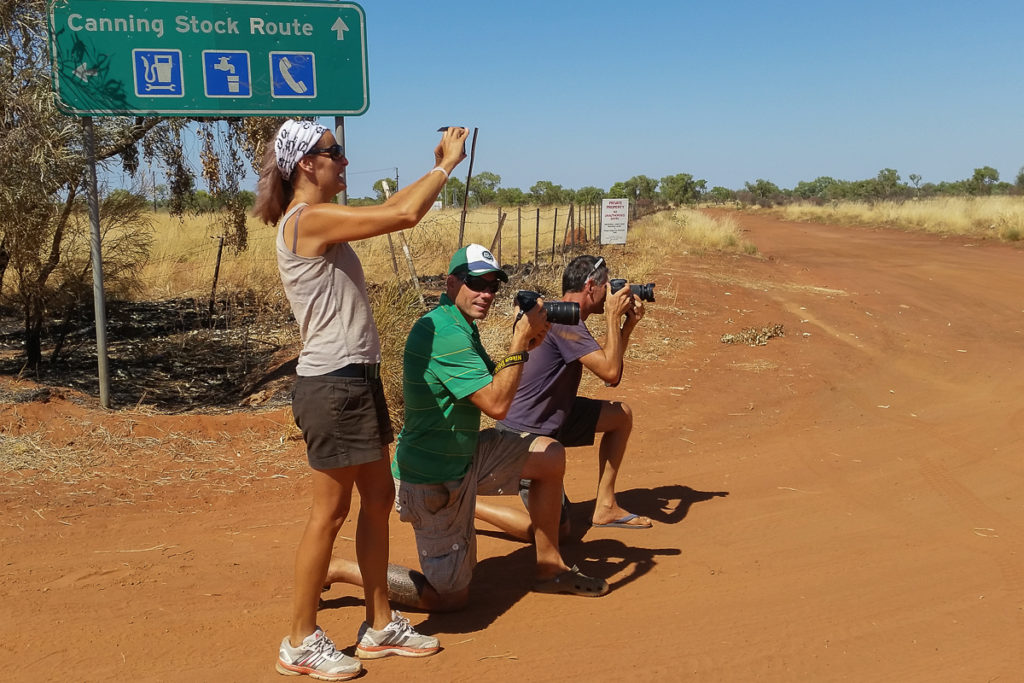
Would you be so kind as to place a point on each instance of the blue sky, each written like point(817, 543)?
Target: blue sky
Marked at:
point(597, 92)
point(593, 93)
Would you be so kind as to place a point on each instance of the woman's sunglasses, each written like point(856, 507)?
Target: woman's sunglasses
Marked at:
point(335, 151)
point(479, 284)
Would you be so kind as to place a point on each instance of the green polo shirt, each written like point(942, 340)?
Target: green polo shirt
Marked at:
point(444, 363)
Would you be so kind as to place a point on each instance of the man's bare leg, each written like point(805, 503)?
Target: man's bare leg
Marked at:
point(616, 424)
point(406, 587)
point(513, 521)
point(545, 468)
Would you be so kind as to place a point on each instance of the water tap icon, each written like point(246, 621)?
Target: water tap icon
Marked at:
point(224, 64)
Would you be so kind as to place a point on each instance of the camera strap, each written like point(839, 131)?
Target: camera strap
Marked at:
point(511, 359)
point(518, 316)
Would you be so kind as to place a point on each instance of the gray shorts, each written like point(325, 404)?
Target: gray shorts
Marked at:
point(442, 514)
point(344, 420)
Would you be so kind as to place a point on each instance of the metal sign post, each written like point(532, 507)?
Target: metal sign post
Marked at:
point(99, 300)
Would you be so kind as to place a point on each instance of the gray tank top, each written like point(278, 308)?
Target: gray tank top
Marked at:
point(328, 299)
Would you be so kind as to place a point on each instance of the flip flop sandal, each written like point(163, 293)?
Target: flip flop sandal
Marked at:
point(623, 523)
point(573, 582)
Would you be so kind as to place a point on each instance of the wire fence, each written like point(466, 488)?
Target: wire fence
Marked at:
point(190, 258)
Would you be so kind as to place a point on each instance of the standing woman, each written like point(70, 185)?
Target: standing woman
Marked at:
point(338, 401)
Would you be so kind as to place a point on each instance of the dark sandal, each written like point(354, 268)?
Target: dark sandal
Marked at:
point(573, 582)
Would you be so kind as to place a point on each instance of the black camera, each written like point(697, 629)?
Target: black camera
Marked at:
point(559, 312)
point(642, 292)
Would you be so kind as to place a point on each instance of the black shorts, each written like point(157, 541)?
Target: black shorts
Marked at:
point(580, 426)
point(344, 420)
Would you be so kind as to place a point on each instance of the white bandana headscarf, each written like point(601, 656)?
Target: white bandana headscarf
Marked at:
point(294, 139)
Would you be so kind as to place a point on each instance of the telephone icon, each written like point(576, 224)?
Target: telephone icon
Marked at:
point(293, 74)
point(285, 67)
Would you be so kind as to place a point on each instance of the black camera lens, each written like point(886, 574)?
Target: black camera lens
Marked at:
point(642, 292)
point(562, 312)
point(558, 312)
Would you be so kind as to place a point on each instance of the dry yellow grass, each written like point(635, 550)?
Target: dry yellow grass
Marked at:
point(999, 217)
point(691, 230)
point(184, 253)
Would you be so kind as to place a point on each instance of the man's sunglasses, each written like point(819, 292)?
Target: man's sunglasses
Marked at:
point(335, 151)
point(598, 264)
point(479, 284)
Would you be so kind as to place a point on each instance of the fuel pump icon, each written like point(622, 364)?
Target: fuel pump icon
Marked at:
point(158, 73)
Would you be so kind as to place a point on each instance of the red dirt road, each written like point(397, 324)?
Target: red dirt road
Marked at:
point(843, 503)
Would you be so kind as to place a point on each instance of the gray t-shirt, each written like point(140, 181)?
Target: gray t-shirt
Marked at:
point(550, 380)
point(328, 298)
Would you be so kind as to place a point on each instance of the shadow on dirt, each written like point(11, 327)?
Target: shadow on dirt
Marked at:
point(500, 582)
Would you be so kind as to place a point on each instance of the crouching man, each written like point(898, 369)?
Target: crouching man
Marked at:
point(547, 401)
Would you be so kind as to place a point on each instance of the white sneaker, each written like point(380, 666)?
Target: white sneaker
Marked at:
point(317, 658)
point(397, 638)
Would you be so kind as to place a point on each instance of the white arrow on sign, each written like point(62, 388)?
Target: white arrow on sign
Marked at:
point(84, 73)
point(340, 27)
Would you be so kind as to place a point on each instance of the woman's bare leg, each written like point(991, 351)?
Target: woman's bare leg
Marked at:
point(332, 495)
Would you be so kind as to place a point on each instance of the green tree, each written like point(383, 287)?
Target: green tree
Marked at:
point(681, 188)
point(1020, 178)
point(814, 189)
point(589, 195)
point(721, 195)
point(888, 183)
point(636, 188)
point(454, 193)
point(202, 201)
point(511, 196)
point(546, 193)
point(764, 191)
point(483, 187)
point(983, 180)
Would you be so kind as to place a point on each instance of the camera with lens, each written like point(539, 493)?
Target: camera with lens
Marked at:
point(642, 292)
point(559, 312)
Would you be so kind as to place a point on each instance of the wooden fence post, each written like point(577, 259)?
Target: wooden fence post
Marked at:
point(570, 230)
point(519, 237)
point(536, 242)
point(406, 251)
point(216, 272)
point(496, 242)
point(554, 234)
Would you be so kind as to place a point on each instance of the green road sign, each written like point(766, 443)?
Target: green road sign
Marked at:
point(209, 57)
